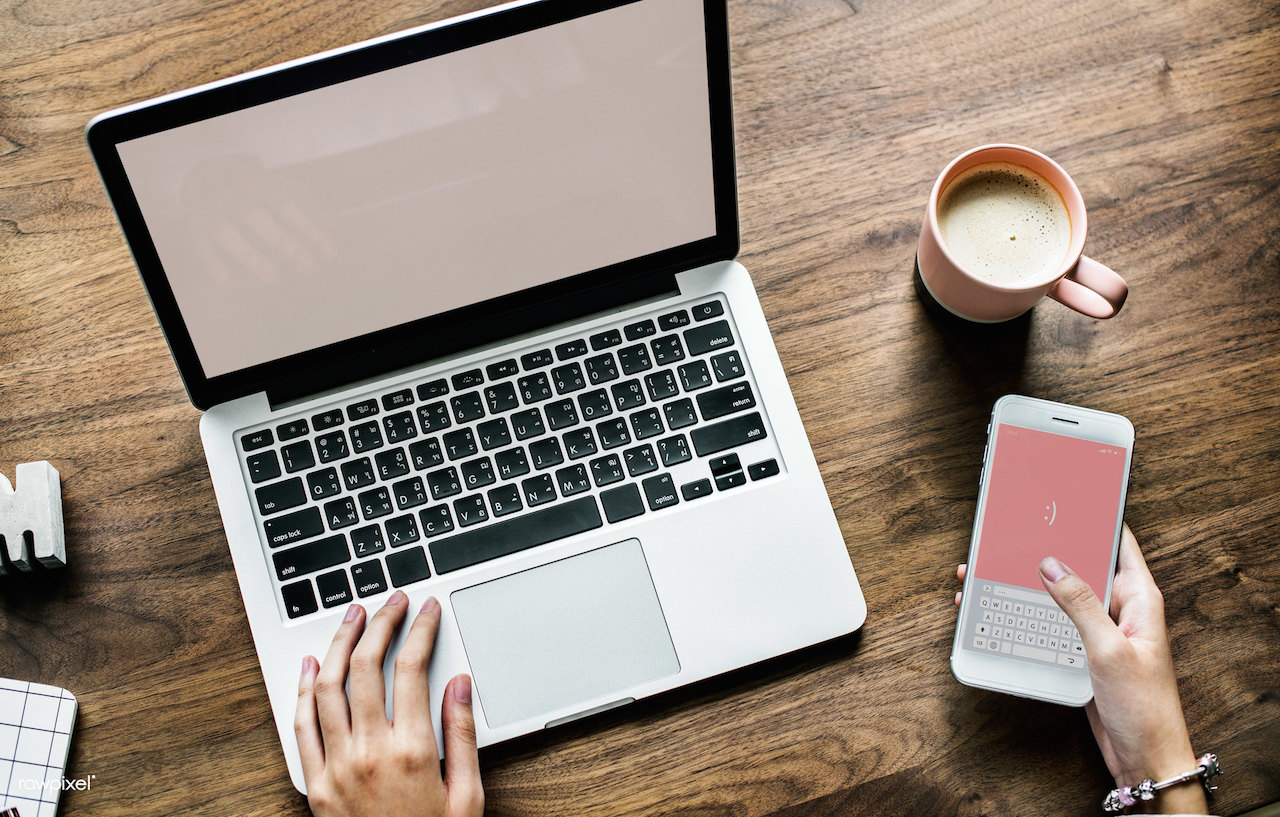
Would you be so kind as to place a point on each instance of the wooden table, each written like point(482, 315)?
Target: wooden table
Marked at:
point(1167, 114)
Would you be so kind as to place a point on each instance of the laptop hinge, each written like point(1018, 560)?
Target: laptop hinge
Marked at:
point(375, 360)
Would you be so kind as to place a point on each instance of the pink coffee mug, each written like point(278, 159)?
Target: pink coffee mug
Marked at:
point(1079, 282)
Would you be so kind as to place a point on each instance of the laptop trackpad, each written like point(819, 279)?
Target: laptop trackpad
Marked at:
point(564, 633)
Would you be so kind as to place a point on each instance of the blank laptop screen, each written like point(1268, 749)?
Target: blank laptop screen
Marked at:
point(406, 193)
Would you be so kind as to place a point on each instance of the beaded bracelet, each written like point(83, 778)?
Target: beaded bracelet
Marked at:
point(1125, 796)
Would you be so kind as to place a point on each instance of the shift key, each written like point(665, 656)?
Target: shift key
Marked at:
point(311, 557)
point(722, 436)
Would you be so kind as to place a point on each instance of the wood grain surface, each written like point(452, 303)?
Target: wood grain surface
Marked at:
point(1167, 113)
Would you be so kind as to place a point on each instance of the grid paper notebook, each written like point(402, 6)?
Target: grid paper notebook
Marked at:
point(35, 736)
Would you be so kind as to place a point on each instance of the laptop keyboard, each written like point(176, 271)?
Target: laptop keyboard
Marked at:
point(441, 475)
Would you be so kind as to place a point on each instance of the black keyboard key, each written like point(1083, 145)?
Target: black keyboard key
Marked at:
point(646, 424)
point(367, 541)
point(501, 398)
point(727, 366)
point(257, 439)
point(332, 446)
point(695, 375)
point(613, 433)
point(409, 493)
point(292, 430)
point(601, 369)
point(426, 454)
point(467, 380)
point(666, 350)
point(334, 588)
point(323, 484)
point(607, 470)
point(407, 566)
point(392, 464)
point(460, 443)
point(627, 395)
point(467, 407)
point(568, 378)
point(573, 480)
point(535, 388)
point(674, 450)
point(661, 385)
point(641, 329)
point(402, 530)
point(505, 500)
point(606, 340)
point(561, 414)
point(376, 503)
point(365, 437)
point(263, 467)
point(621, 503)
point(545, 453)
point(293, 527)
point(400, 427)
point(571, 349)
point(538, 490)
point(309, 558)
point(513, 535)
point(436, 388)
point(732, 480)
point(673, 320)
point(357, 473)
point(433, 417)
point(763, 470)
point(724, 465)
point(362, 410)
point(299, 598)
point(728, 434)
point(511, 463)
point(478, 473)
point(444, 483)
point(726, 400)
point(639, 460)
point(341, 513)
point(695, 490)
point(470, 510)
point(280, 496)
point(711, 309)
point(494, 434)
point(680, 413)
point(298, 456)
point(536, 360)
point(634, 359)
point(660, 491)
point(397, 400)
point(501, 369)
point(368, 578)
point(328, 419)
point(708, 338)
point(436, 521)
point(579, 443)
point(595, 404)
point(527, 423)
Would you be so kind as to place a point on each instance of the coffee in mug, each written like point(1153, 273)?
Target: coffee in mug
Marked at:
point(1005, 226)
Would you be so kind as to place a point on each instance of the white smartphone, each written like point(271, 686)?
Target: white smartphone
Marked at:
point(1053, 483)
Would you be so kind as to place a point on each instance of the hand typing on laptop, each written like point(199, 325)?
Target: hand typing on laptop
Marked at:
point(356, 761)
point(1135, 714)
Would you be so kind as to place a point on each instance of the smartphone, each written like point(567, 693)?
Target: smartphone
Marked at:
point(1053, 483)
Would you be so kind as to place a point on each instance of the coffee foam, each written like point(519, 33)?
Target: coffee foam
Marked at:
point(1004, 223)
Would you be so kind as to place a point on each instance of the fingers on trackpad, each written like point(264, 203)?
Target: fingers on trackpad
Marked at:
point(564, 633)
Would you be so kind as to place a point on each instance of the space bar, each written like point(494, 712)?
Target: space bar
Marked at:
point(514, 535)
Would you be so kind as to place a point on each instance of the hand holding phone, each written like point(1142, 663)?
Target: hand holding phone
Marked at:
point(1053, 483)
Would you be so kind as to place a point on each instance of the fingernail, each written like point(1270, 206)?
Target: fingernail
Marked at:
point(1052, 569)
point(462, 689)
point(352, 612)
point(306, 669)
point(397, 597)
point(429, 605)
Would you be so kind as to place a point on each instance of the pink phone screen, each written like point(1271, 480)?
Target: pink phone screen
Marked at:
point(1050, 495)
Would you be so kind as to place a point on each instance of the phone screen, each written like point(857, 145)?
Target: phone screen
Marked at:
point(1047, 495)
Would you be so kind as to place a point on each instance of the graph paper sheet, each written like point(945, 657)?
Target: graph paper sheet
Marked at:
point(35, 735)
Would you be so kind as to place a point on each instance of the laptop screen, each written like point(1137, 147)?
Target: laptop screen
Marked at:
point(380, 200)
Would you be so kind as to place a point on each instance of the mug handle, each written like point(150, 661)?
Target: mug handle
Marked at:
point(1091, 288)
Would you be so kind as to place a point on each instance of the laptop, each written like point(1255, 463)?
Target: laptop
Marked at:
point(461, 310)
